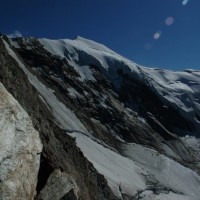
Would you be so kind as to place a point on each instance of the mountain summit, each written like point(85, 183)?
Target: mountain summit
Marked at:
point(110, 128)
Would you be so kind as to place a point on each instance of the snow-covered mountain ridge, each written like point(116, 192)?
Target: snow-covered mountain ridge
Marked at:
point(107, 124)
point(178, 89)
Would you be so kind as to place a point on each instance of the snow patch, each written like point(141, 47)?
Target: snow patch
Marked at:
point(170, 196)
point(166, 171)
point(119, 171)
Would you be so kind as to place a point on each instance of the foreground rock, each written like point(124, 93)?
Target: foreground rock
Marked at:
point(59, 185)
point(20, 149)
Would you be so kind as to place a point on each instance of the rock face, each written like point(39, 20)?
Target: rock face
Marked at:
point(58, 186)
point(109, 128)
point(20, 150)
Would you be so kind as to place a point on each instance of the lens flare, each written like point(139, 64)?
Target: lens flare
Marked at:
point(185, 2)
point(157, 35)
point(169, 21)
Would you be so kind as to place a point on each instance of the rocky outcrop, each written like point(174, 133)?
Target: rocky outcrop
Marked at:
point(20, 149)
point(59, 149)
point(59, 185)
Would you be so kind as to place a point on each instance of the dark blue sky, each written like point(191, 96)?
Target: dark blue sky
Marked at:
point(126, 26)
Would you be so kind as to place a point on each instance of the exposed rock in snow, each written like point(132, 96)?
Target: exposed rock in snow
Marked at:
point(193, 143)
point(20, 149)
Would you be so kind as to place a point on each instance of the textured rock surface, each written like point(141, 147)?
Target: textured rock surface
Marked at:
point(20, 149)
point(58, 185)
